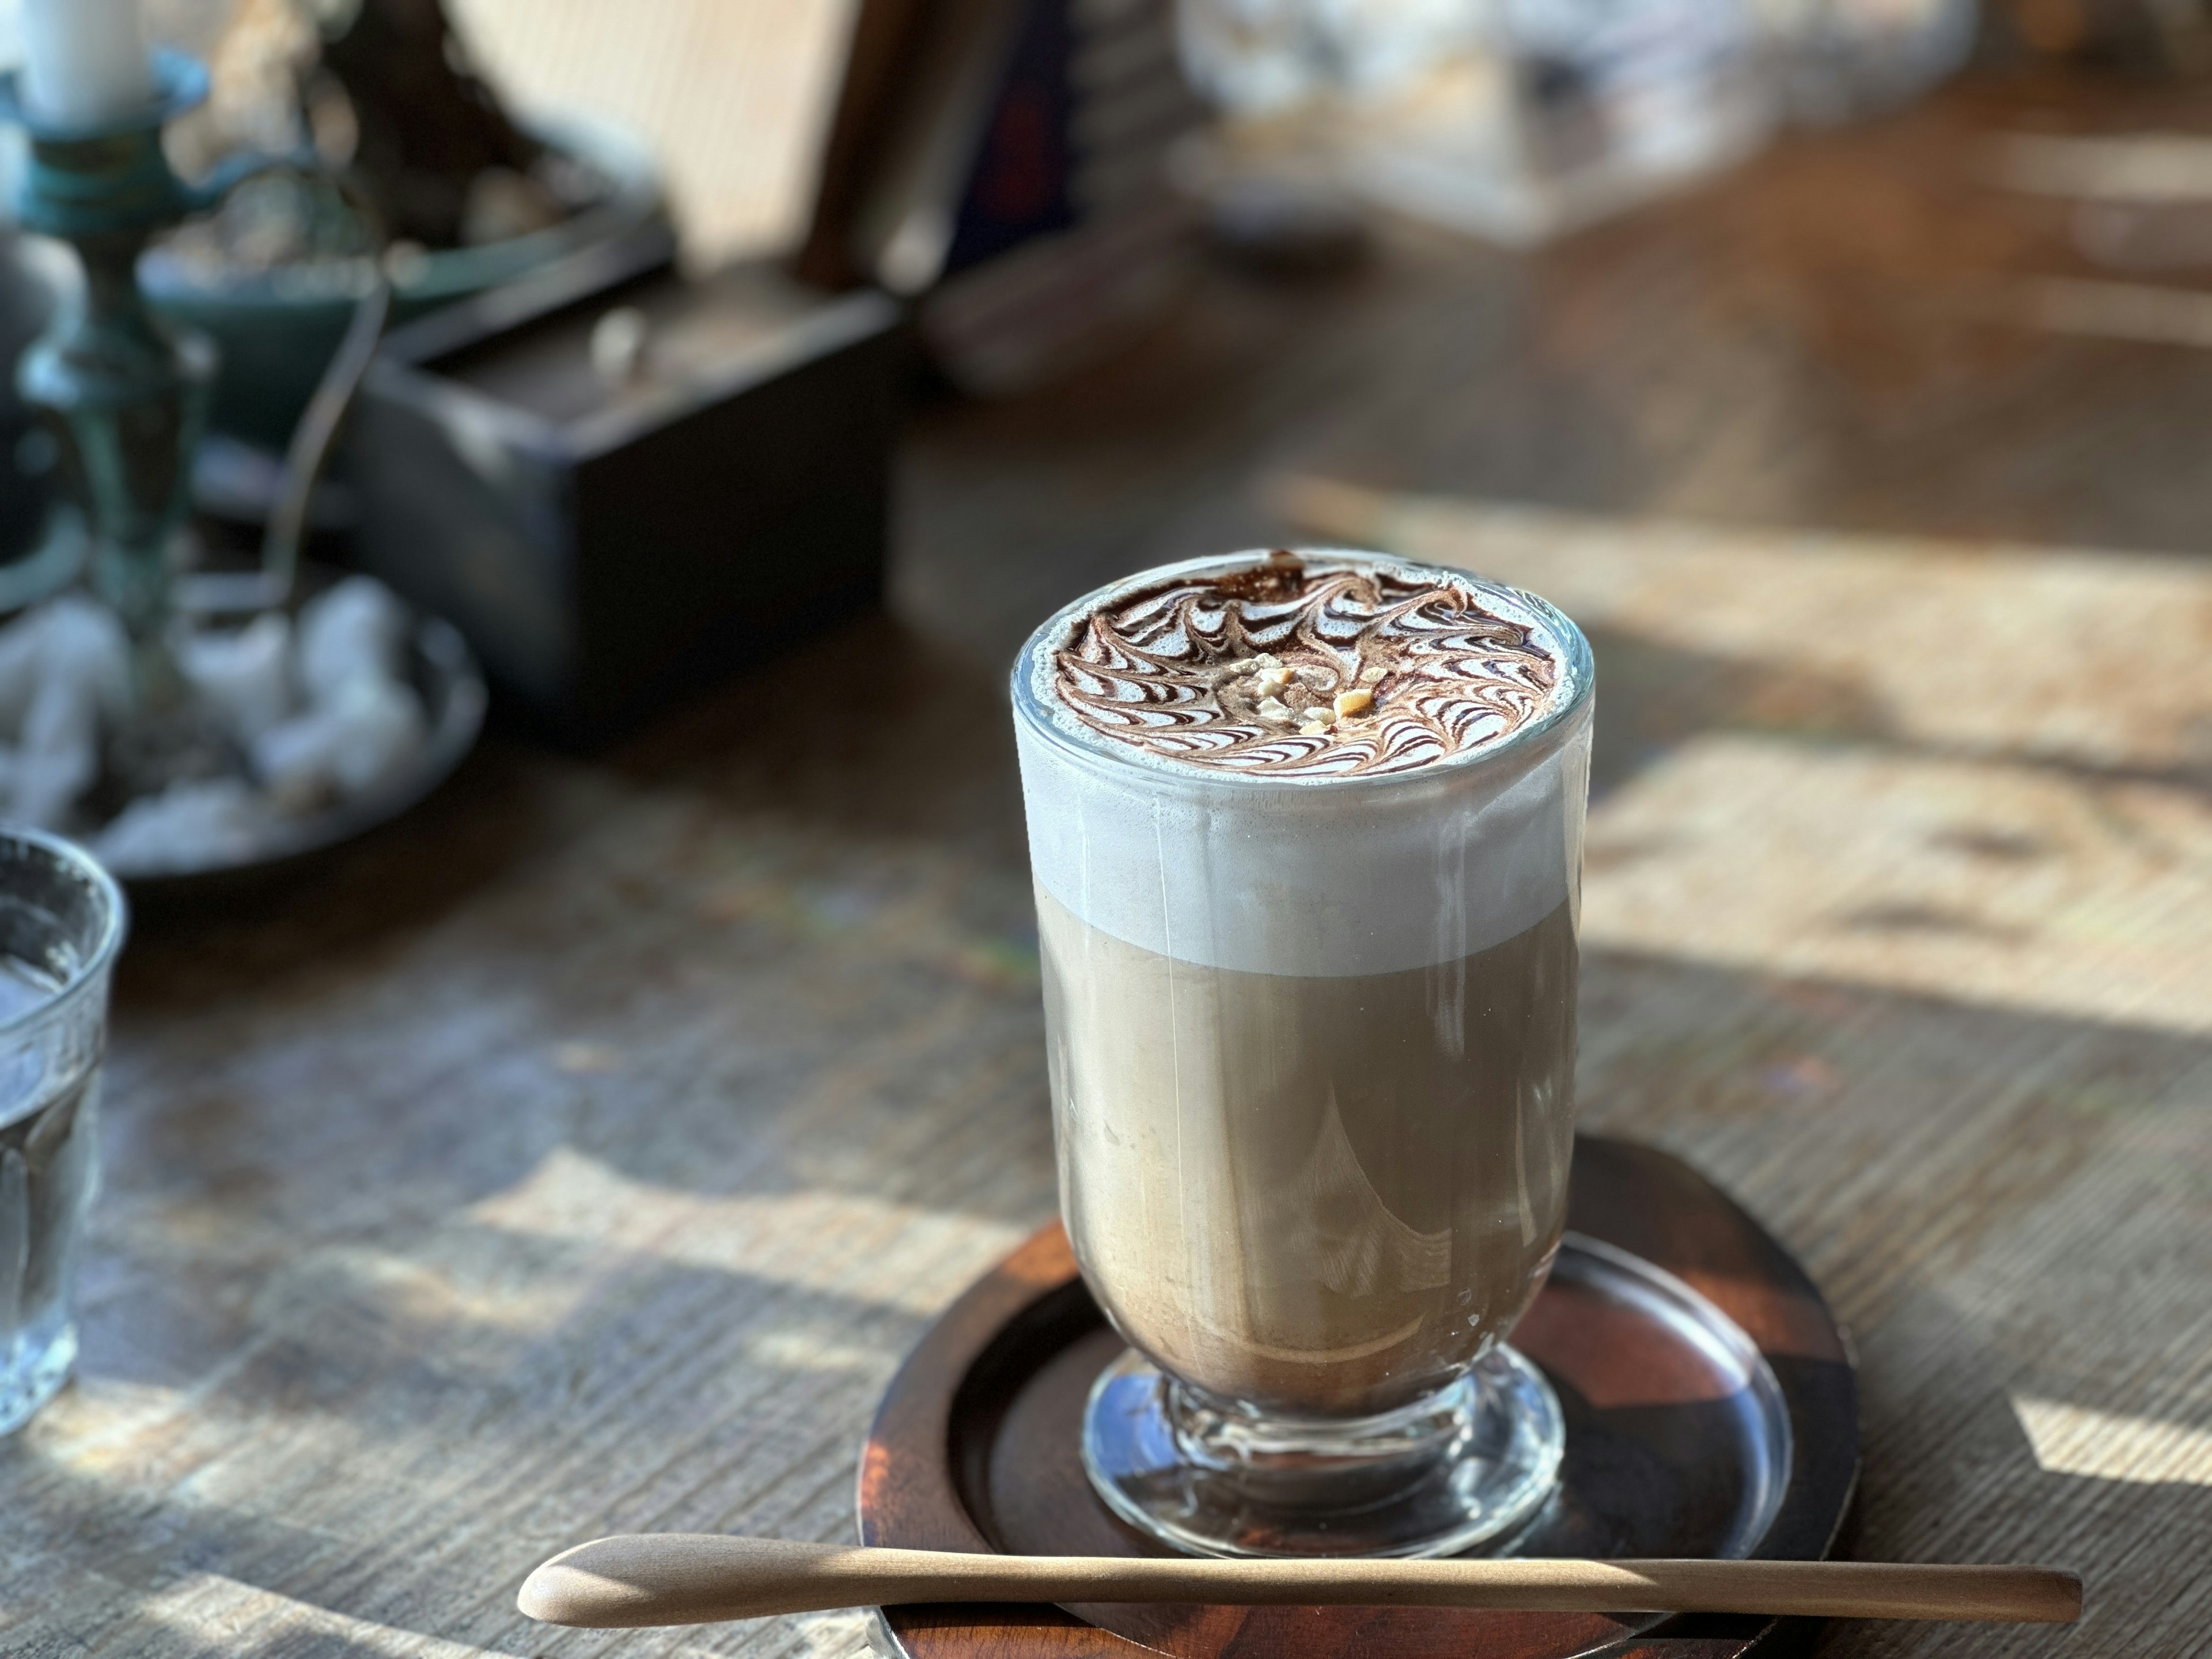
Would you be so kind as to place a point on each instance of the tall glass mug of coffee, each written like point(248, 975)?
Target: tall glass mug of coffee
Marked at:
point(1306, 830)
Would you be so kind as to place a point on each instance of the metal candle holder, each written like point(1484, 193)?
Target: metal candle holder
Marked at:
point(126, 392)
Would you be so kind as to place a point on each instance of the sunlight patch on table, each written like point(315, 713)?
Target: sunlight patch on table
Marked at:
point(897, 1256)
point(813, 1349)
point(2083, 655)
point(94, 1425)
point(233, 1617)
point(444, 1283)
point(2013, 886)
point(2113, 1445)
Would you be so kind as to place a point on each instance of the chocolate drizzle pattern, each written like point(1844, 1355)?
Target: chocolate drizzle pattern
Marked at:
point(1261, 671)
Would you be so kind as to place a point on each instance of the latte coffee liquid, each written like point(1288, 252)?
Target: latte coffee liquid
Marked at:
point(1320, 1196)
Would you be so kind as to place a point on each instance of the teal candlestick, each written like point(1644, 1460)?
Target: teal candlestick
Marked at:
point(126, 396)
point(126, 393)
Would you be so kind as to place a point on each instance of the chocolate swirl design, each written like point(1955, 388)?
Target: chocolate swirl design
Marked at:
point(1261, 670)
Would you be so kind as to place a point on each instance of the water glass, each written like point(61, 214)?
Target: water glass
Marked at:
point(62, 922)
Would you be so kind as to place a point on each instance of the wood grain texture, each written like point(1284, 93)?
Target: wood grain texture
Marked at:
point(583, 1156)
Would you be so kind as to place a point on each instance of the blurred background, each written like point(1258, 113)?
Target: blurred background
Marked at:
point(1823, 261)
point(1795, 345)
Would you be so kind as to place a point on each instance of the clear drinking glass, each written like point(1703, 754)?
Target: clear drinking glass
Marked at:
point(61, 924)
point(1312, 1049)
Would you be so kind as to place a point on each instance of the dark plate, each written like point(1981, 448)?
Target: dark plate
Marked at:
point(1711, 1411)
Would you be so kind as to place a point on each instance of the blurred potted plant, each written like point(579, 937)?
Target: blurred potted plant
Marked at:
point(468, 197)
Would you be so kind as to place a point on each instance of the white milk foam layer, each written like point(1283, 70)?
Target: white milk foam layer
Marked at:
point(1319, 877)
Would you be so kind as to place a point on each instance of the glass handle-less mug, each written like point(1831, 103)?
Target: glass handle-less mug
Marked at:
point(61, 924)
point(1312, 1046)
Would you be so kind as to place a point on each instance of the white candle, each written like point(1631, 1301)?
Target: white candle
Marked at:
point(84, 61)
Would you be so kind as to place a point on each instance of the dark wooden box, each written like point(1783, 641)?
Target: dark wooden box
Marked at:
point(609, 545)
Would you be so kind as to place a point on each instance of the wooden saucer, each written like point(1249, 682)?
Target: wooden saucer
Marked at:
point(1711, 1407)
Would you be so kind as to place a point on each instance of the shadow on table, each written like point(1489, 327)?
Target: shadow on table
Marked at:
point(196, 943)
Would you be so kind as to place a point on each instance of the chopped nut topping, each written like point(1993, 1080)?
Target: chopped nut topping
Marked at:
point(1178, 665)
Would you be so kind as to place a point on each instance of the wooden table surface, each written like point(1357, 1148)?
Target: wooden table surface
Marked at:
point(584, 1154)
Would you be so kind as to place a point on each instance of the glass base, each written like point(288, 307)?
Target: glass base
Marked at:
point(34, 1374)
point(1467, 1466)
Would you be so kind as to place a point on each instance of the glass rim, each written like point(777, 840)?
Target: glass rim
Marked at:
point(1029, 710)
point(114, 923)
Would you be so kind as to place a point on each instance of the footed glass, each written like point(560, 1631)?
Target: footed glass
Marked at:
point(1467, 1465)
point(1311, 1029)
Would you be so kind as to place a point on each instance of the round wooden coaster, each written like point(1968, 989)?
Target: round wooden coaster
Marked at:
point(1711, 1408)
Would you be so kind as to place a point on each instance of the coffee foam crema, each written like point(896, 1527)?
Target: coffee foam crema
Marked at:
point(1167, 809)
